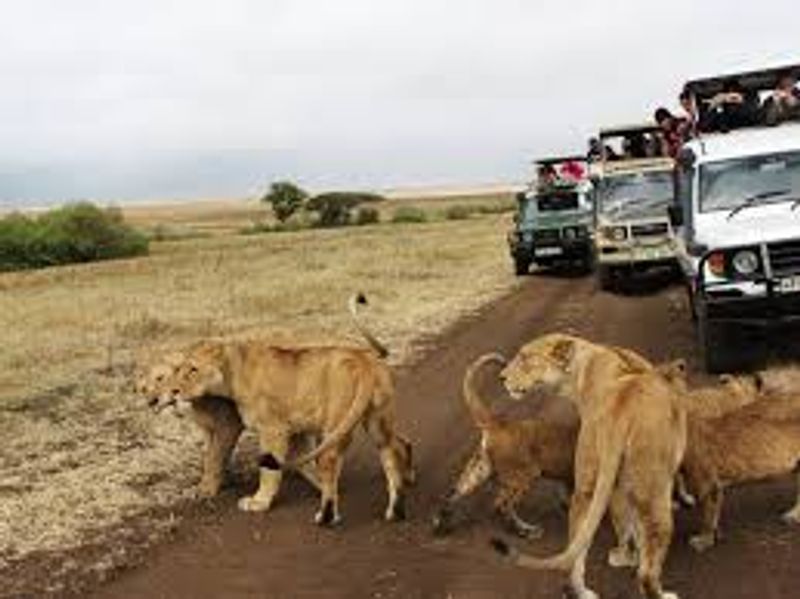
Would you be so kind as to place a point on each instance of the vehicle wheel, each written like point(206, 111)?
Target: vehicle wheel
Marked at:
point(606, 277)
point(522, 266)
point(721, 352)
point(692, 306)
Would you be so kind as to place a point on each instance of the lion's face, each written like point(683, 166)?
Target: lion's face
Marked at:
point(544, 362)
point(152, 381)
point(195, 378)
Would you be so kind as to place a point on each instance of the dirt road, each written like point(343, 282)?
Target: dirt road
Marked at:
point(224, 553)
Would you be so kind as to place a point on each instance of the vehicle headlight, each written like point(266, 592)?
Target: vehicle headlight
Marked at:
point(616, 233)
point(745, 262)
point(570, 233)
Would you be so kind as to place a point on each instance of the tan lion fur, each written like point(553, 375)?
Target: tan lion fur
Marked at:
point(281, 391)
point(514, 452)
point(755, 442)
point(630, 445)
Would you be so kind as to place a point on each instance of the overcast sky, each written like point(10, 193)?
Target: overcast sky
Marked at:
point(161, 98)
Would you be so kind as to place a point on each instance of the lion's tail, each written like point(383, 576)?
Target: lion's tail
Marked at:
point(359, 299)
point(481, 414)
point(365, 389)
point(588, 528)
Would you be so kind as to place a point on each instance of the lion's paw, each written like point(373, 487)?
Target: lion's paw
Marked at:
point(792, 516)
point(327, 515)
point(622, 557)
point(254, 504)
point(701, 543)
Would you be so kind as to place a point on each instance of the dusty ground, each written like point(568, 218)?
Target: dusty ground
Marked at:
point(218, 552)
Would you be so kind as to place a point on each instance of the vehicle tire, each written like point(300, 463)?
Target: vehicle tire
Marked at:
point(720, 350)
point(522, 266)
point(691, 301)
point(606, 277)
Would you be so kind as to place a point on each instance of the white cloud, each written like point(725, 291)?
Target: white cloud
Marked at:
point(133, 98)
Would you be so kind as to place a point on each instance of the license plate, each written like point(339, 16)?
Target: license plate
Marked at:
point(554, 251)
point(789, 285)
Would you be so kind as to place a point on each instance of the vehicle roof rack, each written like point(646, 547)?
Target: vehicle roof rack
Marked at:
point(551, 160)
point(626, 130)
point(762, 79)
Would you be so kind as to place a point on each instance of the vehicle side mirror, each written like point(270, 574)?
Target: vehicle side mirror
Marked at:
point(675, 215)
point(516, 218)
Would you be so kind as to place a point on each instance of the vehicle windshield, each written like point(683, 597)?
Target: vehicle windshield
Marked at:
point(557, 201)
point(755, 180)
point(638, 195)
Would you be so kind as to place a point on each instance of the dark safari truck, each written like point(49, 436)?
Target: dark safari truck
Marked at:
point(553, 218)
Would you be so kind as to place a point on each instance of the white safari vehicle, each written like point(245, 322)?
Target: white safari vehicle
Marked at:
point(632, 197)
point(737, 221)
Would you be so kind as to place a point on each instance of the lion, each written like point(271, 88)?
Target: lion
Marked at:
point(711, 401)
point(630, 444)
point(516, 452)
point(280, 391)
point(758, 441)
point(217, 417)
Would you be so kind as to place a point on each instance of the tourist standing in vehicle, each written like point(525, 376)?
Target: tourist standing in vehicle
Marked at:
point(673, 129)
point(784, 103)
point(732, 108)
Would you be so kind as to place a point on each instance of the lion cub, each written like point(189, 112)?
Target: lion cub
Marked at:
point(515, 452)
point(755, 442)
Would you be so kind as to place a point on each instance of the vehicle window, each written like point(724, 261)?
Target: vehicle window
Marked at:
point(770, 179)
point(557, 201)
point(636, 195)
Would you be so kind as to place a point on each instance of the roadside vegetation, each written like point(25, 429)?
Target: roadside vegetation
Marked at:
point(294, 209)
point(79, 232)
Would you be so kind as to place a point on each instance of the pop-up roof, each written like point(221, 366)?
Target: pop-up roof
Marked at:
point(561, 171)
point(749, 81)
point(628, 131)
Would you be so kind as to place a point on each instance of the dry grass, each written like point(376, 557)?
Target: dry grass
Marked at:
point(84, 455)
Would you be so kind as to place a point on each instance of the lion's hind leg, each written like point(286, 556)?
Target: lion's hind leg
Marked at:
point(330, 468)
point(514, 484)
point(476, 472)
point(653, 511)
point(395, 456)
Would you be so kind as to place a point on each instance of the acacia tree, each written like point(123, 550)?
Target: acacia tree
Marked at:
point(286, 199)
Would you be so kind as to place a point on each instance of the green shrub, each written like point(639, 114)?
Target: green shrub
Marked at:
point(286, 199)
point(78, 232)
point(409, 214)
point(496, 208)
point(334, 209)
point(458, 212)
point(367, 216)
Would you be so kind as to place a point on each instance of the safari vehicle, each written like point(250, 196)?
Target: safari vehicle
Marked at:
point(633, 191)
point(737, 221)
point(553, 218)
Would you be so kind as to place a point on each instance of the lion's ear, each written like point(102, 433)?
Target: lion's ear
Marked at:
point(563, 352)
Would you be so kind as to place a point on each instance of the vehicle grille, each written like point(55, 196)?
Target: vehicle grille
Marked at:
point(784, 257)
point(649, 230)
point(546, 235)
